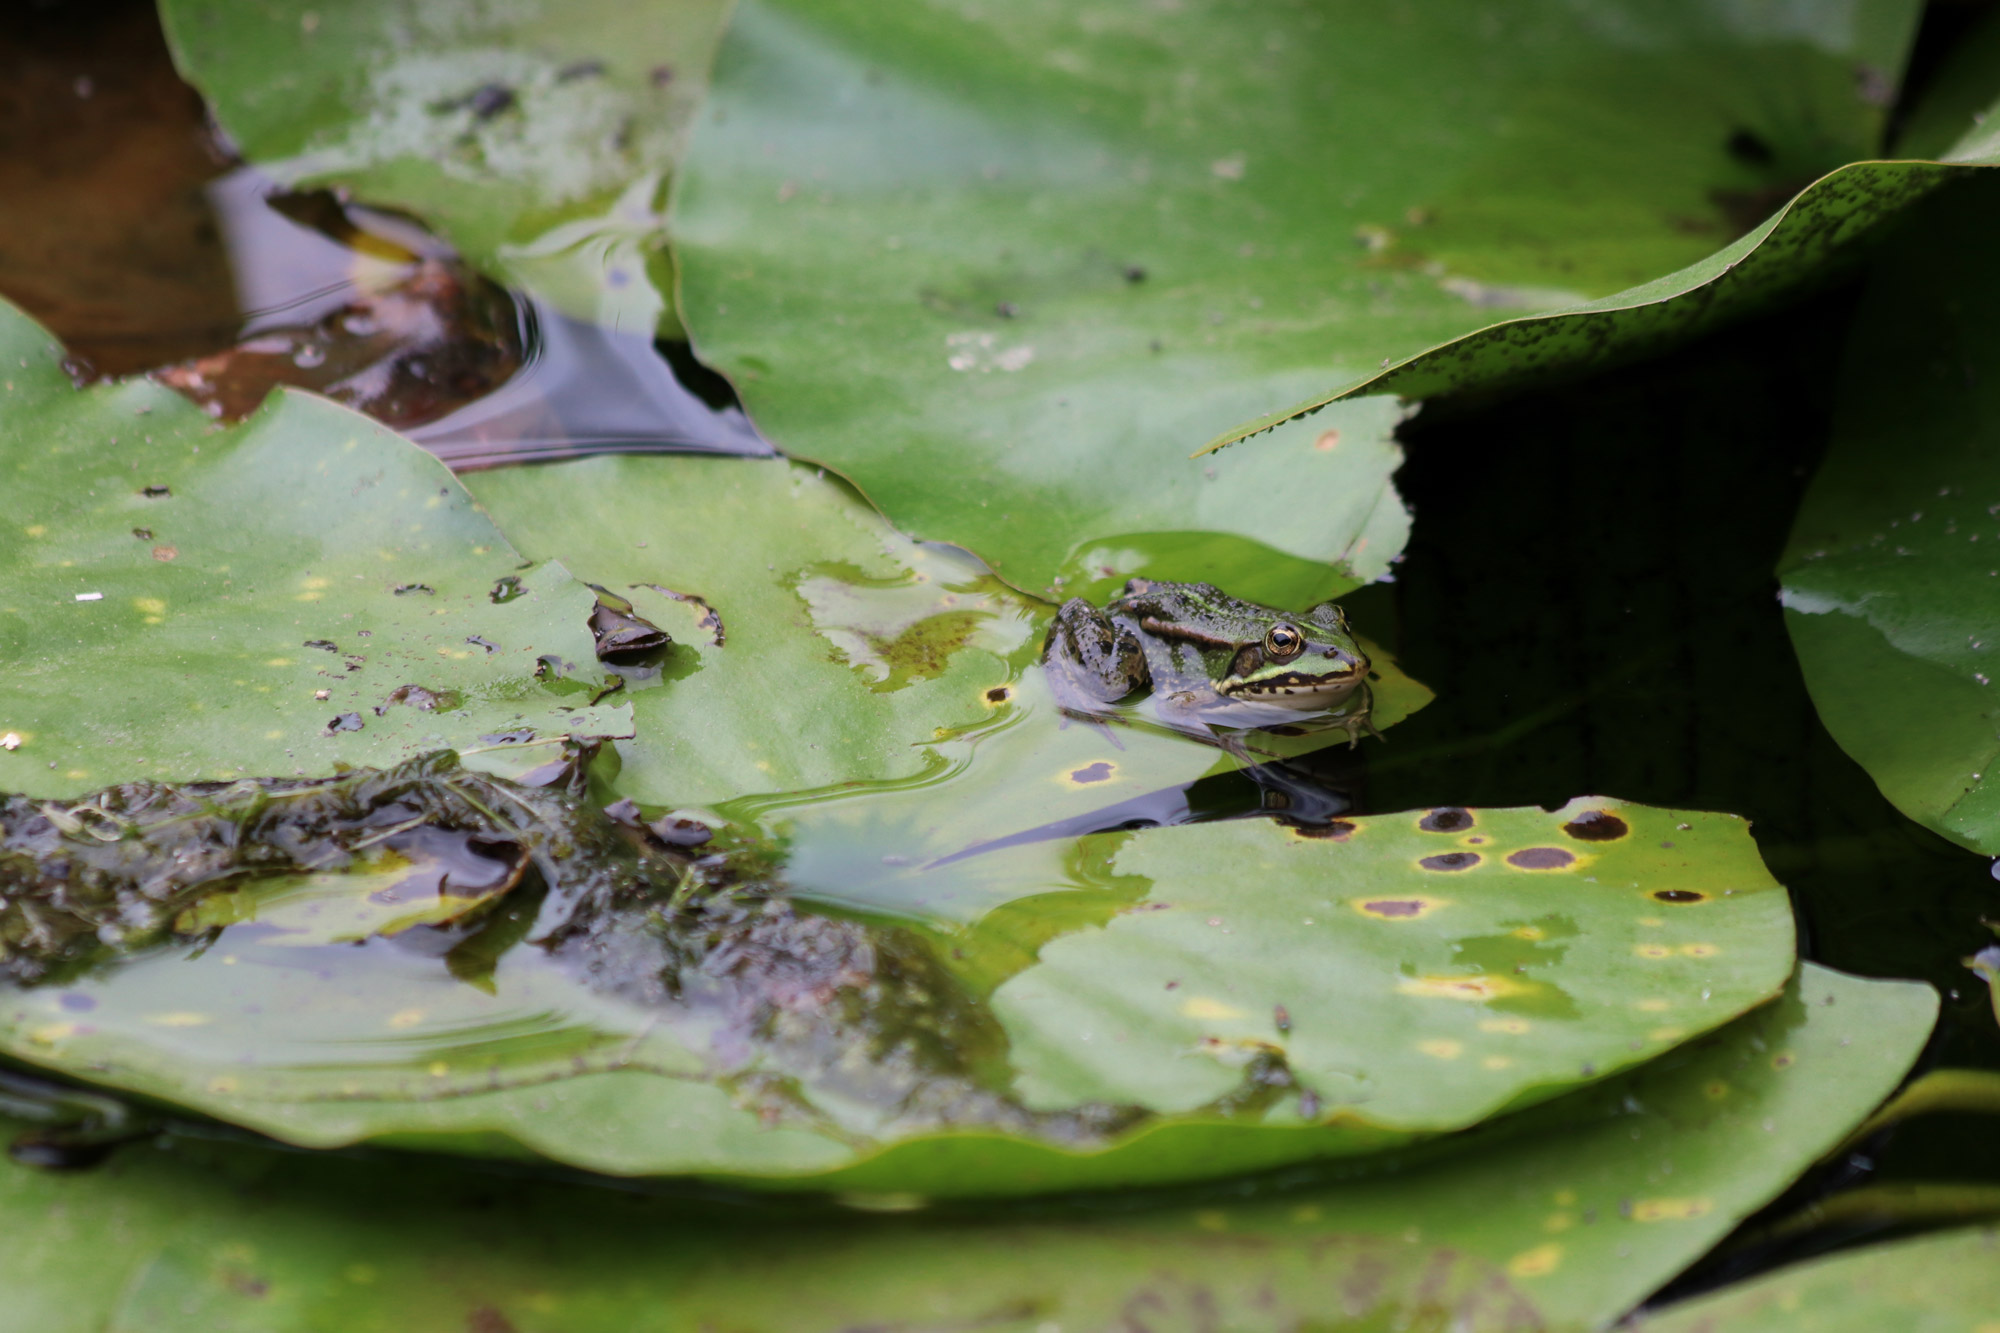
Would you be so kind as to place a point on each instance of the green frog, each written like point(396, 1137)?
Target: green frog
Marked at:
point(1209, 657)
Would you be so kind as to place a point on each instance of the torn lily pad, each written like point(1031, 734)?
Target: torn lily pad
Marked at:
point(303, 590)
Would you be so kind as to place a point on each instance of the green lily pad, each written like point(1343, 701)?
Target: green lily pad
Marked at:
point(538, 137)
point(1888, 579)
point(1945, 1283)
point(820, 656)
point(1950, 121)
point(1824, 227)
point(1564, 1217)
point(1005, 270)
point(1403, 976)
point(304, 590)
point(1414, 972)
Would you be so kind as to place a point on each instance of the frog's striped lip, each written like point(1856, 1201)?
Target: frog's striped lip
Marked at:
point(1295, 689)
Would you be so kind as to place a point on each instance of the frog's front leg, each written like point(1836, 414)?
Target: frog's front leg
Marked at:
point(1354, 717)
point(1092, 659)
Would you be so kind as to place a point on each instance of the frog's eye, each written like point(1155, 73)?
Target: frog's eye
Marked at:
point(1283, 643)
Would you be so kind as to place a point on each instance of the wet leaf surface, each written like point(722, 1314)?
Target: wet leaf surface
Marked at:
point(1934, 1284)
point(1888, 580)
point(979, 263)
point(537, 137)
point(1563, 1217)
point(701, 1023)
point(272, 585)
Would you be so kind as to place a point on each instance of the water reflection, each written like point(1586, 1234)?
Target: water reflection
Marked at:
point(368, 308)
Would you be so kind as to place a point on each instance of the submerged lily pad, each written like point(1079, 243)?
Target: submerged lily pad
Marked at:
point(538, 137)
point(636, 1011)
point(1931, 1284)
point(1889, 580)
point(1004, 270)
point(300, 591)
point(1568, 1218)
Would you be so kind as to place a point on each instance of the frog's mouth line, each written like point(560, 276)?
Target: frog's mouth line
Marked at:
point(1295, 689)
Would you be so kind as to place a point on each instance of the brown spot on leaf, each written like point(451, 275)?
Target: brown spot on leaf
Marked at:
point(1337, 830)
point(1679, 896)
point(1450, 861)
point(1541, 858)
point(1445, 819)
point(1597, 826)
point(1097, 772)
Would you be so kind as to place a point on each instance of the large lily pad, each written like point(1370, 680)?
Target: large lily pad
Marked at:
point(538, 137)
point(1932, 1284)
point(821, 655)
point(1889, 586)
point(980, 262)
point(1567, 1220)
point(1446, 965)
point(185, 601)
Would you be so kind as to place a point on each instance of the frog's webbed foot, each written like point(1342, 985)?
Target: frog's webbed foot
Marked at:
point(1359, 719)
point(1092, 661)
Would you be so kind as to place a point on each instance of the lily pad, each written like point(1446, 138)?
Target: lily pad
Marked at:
point(1825, 227)
point(1565, 1220)
point(981, 262)
point(1932, 1284)
point(820, 655)
point(1403, 976)
point(1414, 972)
point(1889, 582)
point(304, 590)
point(538, 137)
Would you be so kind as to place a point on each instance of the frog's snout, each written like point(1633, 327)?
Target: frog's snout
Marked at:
point(1349, 663)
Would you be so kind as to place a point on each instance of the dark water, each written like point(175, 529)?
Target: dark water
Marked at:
point(1588, 588)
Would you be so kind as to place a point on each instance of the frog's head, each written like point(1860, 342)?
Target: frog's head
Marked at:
point(1307, 662)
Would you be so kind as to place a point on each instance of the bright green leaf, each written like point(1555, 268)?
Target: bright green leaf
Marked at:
point(1890, 589)
point(1568, 1215)
point(538, 137)
point(1004, 269)
point(183, 601)
point(1944, 1283)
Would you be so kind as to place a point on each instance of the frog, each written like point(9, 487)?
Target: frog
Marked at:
point(1209, 657)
